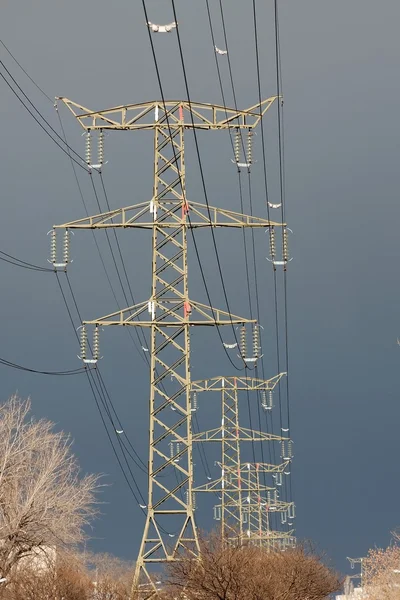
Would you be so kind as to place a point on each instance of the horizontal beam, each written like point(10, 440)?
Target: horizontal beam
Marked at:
point(245, 435)
point(169, 115)
point(139, 216)
point(255, 468)
point(166, 315)
point(218, 384)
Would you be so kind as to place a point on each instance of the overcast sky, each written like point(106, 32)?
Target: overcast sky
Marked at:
point(341, 86)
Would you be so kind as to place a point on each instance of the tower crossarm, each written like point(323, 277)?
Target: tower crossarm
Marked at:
point(169, 115)
point(217, 384)
point(280, 506)
point(169, 313)
point(244, 435)
point(139, 216)
point(262, 467)
point(218, 485)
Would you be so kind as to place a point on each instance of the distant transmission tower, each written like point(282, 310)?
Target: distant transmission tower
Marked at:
point(246, 504)
point(169, 312)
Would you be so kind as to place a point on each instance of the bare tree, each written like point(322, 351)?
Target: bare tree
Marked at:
point(112, 577)
point(73, 576)
point(381, 572)
point(65, 579)
point(235, 571)
point(44, 503)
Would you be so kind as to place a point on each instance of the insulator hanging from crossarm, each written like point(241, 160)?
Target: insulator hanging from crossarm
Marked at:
point(264, 399)
point(256, 341)
point(96, 343)
point(237, 145)
point(88, 147)
point(194, 402)
point(283, 517)
point(100, 148)
point(53, 250)
point(83, 342)
point(292, 510)
point(53, 246)
point(243, 341)
point(278, 479)
point(175, 448)
point(193, 502)
point(66, 247)
point(286, 450)
point(217, 513)
point(250, 135)
point(272, 249)
point(95, 347)
point(285, 252)
point(285, 246)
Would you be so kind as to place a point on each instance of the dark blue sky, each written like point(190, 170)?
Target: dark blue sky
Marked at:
point(341, 86)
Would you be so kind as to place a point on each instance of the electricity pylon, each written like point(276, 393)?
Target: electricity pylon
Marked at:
point(169, 215)
point(245, 503)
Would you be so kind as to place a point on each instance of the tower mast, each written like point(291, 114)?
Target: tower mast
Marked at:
point(169, 312)
point(245, 503)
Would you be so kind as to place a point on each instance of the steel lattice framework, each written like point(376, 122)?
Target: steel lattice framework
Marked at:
point(169, 312)
point(245, 502)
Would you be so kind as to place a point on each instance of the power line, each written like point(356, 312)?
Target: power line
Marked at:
point(175, 159)
point(13, 365)
point(68, 152)
point(37, 120)
point(27, 74)
point(27, 265)
point(104, 397)
point(93, 233)
point(94, 387)
point(17, 262)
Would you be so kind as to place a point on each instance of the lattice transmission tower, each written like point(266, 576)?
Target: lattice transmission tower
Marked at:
point(245, 503)
point(170, 311)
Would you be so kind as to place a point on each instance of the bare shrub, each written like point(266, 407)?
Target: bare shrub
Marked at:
point(236, 572)
point(43, 500)
point(112, 577)
point(66, 579)
point(381, 572)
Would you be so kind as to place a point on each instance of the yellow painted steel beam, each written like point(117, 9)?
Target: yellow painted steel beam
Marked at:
point(217, 384)
point(174, 114)
point(139, 216)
